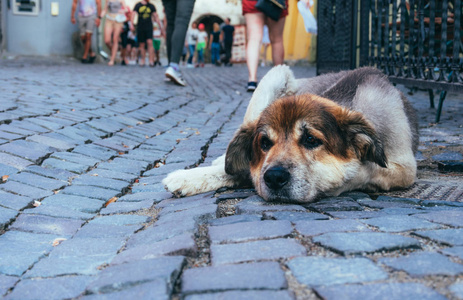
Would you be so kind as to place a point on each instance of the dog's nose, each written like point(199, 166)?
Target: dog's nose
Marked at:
point(276, 177)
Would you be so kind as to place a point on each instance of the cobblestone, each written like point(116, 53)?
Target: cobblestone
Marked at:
point(74, 136)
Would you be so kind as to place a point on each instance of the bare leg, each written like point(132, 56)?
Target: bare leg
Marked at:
point(115, 45)
point(141, 46)
point(108, 30)
point(254, 29)
point(149, 43)
point(275, 29)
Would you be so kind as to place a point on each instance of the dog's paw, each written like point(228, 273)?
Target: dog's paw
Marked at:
point(179, 183)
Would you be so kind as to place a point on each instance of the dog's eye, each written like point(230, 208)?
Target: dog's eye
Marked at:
point(310, 142)
point(265, 143)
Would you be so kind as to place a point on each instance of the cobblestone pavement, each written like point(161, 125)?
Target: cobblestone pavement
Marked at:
point(83, 213)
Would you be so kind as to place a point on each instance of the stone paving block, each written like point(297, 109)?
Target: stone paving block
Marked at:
point(451, 155)
point(53, 163)
point(311, 228)
point(118, 277)
point(170, 202)
point(356, 214)
point(423, 264)
point(112, 174)
point(256, 276)
point(398, 200)
point(75, 158)
point(27, 125)
point(256, 251)
point(171, 207)
point(200, 214)
point(145, 155)
point(50, 288)
point(156, 289)
point(335, 204)
point(58, 174)
point(90, 192)
point(451, 218)
point(13, 259)
point(113, 145)
point(240, 232)
point(183, 244)
point(120, 220)
point(92, 230)
point(392, 291)
point(153, 196)
point(386, 204)
point(107, 183)
point(156, 233)
point(242, 194)
point(14, 161)
point(71, 202)
point(234, 219)
point(293, 216)
point(365, 242)
point(124, 165)
point(7, 170)
point(126, 207)
point(58, 211)
point(13, 201)
point(318, 271)
point(400, 223)
point(157, 187)
point(27, 150)
point(106, 125)
point(25, 190)
point(457, 289)
point(164, 169)
point(95, 151)
point(255, 205)
point(38, 181)
point(77, 256)
point(7, 282)
point(9, 136)
point(452, 237)
point(248, 295)
point(7, 215)
point(51, 142)
point(45, 224)
point(454, 251)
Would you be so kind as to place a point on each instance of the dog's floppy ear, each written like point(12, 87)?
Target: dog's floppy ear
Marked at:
point(363, 137)
point(239, 151)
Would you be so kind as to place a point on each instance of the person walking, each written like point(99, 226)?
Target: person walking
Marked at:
point(201, 45)
point(115, 18)
point(178, 14)
point(215, 44)
point(147, 14)
point(228, 33)
point(255, 20)
point(191, 39)
point(89, 16)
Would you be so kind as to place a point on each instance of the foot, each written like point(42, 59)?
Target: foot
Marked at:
point(92, 58)
point(85, 60)
point(175, 76)
point(252, 85)
point(110, 63)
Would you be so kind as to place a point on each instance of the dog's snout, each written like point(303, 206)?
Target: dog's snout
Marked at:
point(276, 177)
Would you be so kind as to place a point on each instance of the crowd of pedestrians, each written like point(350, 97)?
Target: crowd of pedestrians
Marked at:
point(137, 34)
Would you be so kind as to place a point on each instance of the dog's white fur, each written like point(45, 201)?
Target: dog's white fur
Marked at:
point(280, 82)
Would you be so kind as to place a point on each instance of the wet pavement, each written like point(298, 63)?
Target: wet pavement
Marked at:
point(83, 212)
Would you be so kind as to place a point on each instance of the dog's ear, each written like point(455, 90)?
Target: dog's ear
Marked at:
point(239, 151)
point(363, 137)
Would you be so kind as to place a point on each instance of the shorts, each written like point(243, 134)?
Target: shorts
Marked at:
point(156, 44)
point(113, 24)
point(132, 43)
point(86, 24)
point(143, 35)
point(124, 39)
point(249, 7)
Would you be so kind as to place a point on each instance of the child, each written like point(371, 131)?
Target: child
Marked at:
point(157, 34)
point(201, 44)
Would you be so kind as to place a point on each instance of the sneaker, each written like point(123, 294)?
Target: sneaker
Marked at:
point(175, 76)
point(190, 66)
point(252, 85)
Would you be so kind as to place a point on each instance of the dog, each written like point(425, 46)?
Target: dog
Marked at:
point(305, 139)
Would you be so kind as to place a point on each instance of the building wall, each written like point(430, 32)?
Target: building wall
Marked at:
point(43, 34)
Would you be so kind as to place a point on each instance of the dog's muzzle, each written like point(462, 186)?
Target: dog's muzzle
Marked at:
point(276, 178)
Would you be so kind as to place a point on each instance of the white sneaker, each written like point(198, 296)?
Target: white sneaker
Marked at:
point(175, 76)
point(190, 66)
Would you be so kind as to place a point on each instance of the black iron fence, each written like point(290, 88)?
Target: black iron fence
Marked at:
point(417, 43)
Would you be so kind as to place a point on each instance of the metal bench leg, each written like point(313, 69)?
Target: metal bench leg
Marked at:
point(441, 102)
point(431, 98)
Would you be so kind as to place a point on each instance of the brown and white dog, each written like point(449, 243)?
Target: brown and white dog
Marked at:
point(309, 138)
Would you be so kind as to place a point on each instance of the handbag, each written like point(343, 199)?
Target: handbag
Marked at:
point(271, 8)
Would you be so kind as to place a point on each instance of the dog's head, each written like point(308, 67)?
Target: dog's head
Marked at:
point(303, 147)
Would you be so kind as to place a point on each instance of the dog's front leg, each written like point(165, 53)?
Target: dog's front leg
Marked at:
point(199, 180)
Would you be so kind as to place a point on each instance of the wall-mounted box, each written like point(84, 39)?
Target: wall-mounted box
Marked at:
point(26, 7)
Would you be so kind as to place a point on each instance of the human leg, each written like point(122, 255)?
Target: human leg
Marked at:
point(182, 18)
point(108, 31)
point(191, 49)
point(276, 29)
point(170, 7)
point(149, 43)
point(115, 43)
point(254, 29)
